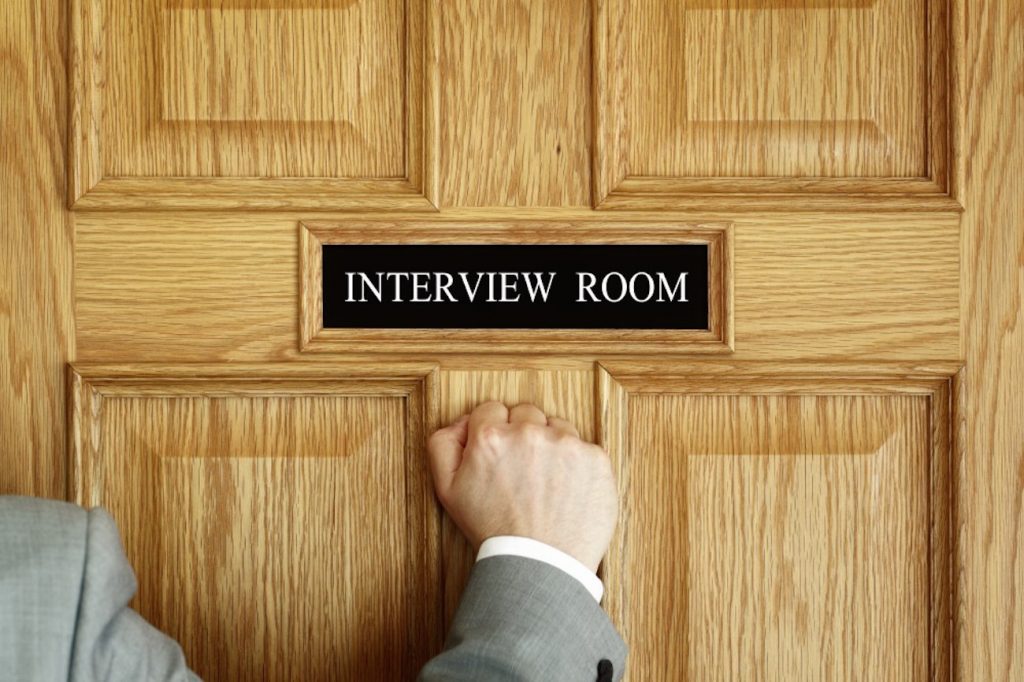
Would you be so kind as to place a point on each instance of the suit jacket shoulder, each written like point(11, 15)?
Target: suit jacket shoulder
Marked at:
point(42, 558)
point(65, 584)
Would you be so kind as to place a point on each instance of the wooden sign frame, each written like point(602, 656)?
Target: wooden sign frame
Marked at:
point(313, 337)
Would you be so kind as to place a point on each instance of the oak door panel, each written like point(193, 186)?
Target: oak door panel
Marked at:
point(866, 286)
point(515, 87)
point(697, 101)
point(783, 529)
point(281, 527)
point(250, 104)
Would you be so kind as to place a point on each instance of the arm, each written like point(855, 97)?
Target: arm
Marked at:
point(518, 473)
point(65, 584)
point(521, 619)
point(112, 641)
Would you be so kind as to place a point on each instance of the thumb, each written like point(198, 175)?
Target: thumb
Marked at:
point(444, 449)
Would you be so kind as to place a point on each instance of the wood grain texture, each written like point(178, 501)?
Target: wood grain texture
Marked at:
point(697, 101)
point(203, 79)
point(223, 288)
point(168, 94)
point(855, 288)
point(243, 499)
point(253, 194)
point(807, 518)
point(187, 286)
point(156, 288)
point(991, 617)
point(841, 196)
point(568, 394)
point(243, 87)
point(717, 338)
point(36, 250)
point(780, 91)
point(514, 91)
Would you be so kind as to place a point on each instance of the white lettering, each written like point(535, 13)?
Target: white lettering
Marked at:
point(397, 276)
point(588, 287)
point(465, 283)
point(537, 285)
point(663, 287)
point(506, 287)
point(632, 287)
point(509, 286)
point(623, 289)
point(490, 287)
point(351, 294)
point(420, 280)
point(365, 281)
point(444, 287)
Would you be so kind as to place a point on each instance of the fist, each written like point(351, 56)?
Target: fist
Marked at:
point(519, 472)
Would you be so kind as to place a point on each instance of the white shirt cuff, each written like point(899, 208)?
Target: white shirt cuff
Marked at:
point(515, 545)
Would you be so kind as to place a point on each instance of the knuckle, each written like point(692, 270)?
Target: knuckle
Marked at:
point(565, 439)
point(533, 433)
point(490, 434)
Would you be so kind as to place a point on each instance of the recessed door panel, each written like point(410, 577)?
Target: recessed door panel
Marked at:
point(697, 101)
point(249, 104)
point(282, 527)
point(794, 531)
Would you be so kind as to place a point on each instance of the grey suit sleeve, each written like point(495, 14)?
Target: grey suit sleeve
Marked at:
point(522, 619)
point(65, 584)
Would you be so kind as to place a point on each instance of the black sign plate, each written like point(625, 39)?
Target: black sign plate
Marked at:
point(537, 286)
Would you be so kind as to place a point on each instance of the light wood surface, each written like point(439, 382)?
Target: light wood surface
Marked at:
point(779, 523)
point(991, 507)
point(514, 89)
point(711, 114)
point(885, 287)
point(282, 526)
point(36, 251)
point(169, 94)
point(775, 98)
point(208, 113)
point(781, 502)
point(202, 81)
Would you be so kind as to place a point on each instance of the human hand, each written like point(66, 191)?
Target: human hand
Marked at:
point(518, 472)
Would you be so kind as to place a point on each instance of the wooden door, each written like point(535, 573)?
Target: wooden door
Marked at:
point(823, 485)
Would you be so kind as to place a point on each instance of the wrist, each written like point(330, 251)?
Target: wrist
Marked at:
point(531, 548)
